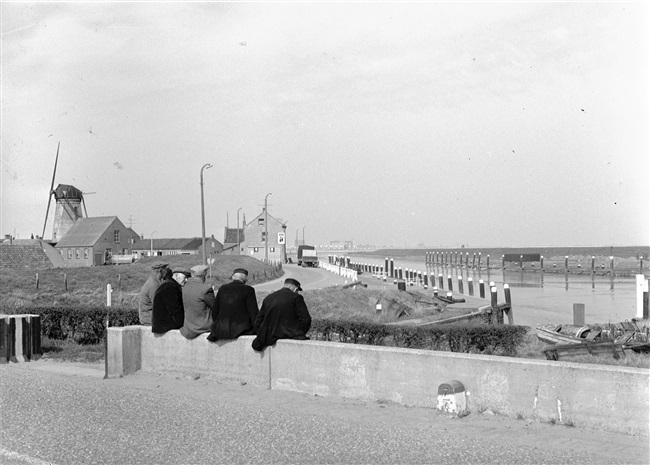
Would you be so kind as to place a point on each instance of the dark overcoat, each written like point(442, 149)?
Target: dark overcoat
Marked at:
point(168, 312)
point(283, 315)
point(234, 311)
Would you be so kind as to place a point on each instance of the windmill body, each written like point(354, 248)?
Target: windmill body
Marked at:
point(68, 209)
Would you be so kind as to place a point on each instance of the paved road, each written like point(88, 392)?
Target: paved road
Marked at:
point(62, 414)
point(309, 278)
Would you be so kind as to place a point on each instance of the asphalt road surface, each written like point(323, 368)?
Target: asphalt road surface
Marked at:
point(309, 278)
point(65, 414)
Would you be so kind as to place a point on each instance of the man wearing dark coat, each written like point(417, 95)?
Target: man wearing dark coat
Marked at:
point(235, 309)
point(198, 300)
point(168, 312)
point(283, 315)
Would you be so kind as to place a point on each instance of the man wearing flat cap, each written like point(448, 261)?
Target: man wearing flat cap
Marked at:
point(283, 315)
point(198, 300)
point(181, 275)
point(235, 308)
point(168, 311)
point(148, 291)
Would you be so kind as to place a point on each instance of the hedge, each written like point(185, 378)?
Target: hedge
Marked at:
point(87, 326)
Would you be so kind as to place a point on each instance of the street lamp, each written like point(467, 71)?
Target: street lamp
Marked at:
point(238, 247)
point(266, 228)
point(151, 245)
point(207, 165)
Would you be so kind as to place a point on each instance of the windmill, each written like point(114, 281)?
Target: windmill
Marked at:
point(69, 200)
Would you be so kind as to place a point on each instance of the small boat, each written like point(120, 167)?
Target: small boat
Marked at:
point(555, 336)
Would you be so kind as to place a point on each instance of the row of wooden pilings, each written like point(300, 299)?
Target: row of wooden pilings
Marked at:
point(410, 277)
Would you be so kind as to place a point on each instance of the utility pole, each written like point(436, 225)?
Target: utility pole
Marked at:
point(238, 242)
point(207, 165)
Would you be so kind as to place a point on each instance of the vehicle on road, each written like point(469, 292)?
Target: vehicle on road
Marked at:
point(307, 256)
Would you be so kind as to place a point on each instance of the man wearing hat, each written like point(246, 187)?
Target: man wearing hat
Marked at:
point(235, 308)
point(198, 300)
point(181, 275)
point(283, 315)
point(168, 312)
point(145, 300)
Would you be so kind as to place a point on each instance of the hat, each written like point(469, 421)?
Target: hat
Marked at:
point(159, 265)
point(199, 270)
point(240, 270)
point(187, 273)
point(294, 282)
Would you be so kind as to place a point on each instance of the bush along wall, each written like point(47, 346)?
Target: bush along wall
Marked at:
point(472, 338)
point(87, 325)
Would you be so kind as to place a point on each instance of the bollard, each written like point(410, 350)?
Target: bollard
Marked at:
point(503, 261)
point(521, 262)
point(474, 260)
point(593, 265)
point(435, 292)
point(426, 280)
point(579, 314)
point(451, 398)
point(392, 268)
point(470, 285)
point(109, 291)
point(566, 263)
point(450, 295)
point(541, 262)
point(487, 263)
point(481, 288)
point(466, 259)
point(378, 309)
point(451, 286)
point(511, 315)
point(479, 261)
point(441, 281)
point(611, 264)
point(460, 284)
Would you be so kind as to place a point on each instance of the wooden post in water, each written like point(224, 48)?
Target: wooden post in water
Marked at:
point(541, 262)
point(451, 285)
point(511, 316)
point(470, 285)
point(566, 263)
point(487, 263)
point(503, 262)
point(579, 314)
point(426, 280)
point(441, 281)
point(479, 260)
point(474, 260)
point(466, 259)
point(641, 268)
point(611, 264)
point(521, 262)
point(435, 292)
point(460, 284)
point(392, 268)
point(481, 288)
point(593, 265)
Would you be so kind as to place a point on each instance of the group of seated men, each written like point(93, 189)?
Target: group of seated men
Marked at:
point(181, 299)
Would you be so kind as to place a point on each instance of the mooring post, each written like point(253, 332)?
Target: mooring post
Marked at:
point(460, 284)
point(566, 263)
point(481, 288)
point(479, 260)
point(466, 259)
point(435, 292)
point(541, 262)
point(503, 262)
point(470, 285)
point(521, 262)
point(473, 260)
point(494, 306)
point(451, 285)
point(426, 280)
point(611, 264)
point(510, 312)
point(487, 263)
point(441, 281)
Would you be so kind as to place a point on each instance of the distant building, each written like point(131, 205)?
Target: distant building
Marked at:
point(256, 241)
point(93, 241)
point(230, 240)
point(343, 245)
point(178, 246)
point(28, 254)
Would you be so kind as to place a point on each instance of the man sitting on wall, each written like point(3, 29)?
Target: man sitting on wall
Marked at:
point(145, 300)
point(198, 300)
point(235, 308)
point(168, 312)
point(283, 315)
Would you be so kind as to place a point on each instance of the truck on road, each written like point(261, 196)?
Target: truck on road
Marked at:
point(307, 256)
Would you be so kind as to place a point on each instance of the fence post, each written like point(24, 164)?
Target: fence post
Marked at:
point(460, 284)
point(497, 316)
point(109, 291)
point(481, 288)
point(65, 281)
point(470, 285)
point(37, 281)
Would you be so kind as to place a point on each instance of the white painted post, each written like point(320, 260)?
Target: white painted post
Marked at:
point(109, 291)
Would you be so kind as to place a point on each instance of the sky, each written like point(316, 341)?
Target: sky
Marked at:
point(387, 124)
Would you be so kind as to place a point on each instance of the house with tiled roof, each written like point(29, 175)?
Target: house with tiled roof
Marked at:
point(176, 246)
point(94, 241)
point(257, 245)
point(231, 239)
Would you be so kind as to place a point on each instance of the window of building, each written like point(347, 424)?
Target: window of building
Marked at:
point(86, 252)
point(263, 236)
point(116, 236)
point(70, 254)
point(272, 249)
point(62, 253)
point(260, 221)
point(77, 254)
point(256, 249)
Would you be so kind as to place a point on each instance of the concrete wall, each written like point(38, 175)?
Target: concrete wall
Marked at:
point(608, 398)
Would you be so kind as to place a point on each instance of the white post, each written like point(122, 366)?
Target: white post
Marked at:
point(109, 291)
point(641, 287)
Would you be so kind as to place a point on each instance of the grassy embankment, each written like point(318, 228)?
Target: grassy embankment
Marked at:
point(87, 286)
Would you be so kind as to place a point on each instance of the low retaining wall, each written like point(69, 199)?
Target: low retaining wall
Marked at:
point(608, 398)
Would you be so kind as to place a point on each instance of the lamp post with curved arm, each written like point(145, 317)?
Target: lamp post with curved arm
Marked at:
point(266, 228)
point(238, 246)
point(207, 165)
